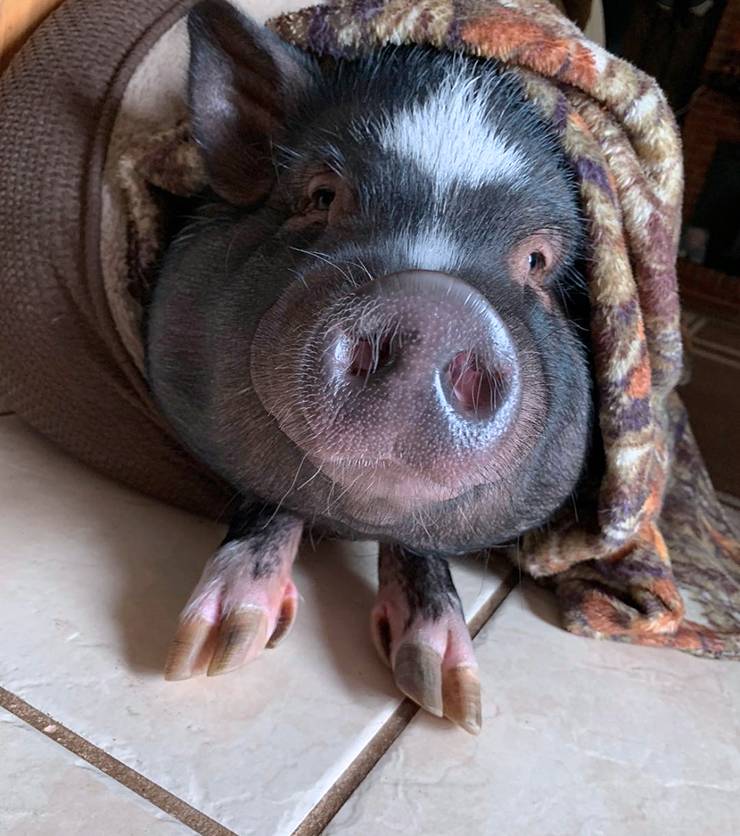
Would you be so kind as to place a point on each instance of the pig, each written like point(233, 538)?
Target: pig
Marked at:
point(374, 328)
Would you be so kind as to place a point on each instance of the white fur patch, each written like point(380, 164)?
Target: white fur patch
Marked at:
point(430, 249)
point(427, 248)
point(452, 137)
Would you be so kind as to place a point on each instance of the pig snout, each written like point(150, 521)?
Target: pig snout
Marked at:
point(426, 339)
point(425, 367)
point(412, 378)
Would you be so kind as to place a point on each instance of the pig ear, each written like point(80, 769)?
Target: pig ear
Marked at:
point(242, 78)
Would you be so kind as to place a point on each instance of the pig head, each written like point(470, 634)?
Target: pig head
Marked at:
point(375, 320)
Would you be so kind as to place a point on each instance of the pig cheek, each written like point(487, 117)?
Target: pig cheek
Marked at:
point(532, 409)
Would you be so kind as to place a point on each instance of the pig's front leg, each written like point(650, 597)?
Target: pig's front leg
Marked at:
point(245, 600)
point(419, 630)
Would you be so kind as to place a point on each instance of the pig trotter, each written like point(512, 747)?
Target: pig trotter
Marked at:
point(419, 630)
point(245, 600)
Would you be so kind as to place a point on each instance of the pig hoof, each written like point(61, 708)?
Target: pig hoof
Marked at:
point(241, 636)
point(461, 695)
point(217, 636)
point(418, 673)
point(433, 664)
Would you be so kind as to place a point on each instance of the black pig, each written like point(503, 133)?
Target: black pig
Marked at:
point(366, 331)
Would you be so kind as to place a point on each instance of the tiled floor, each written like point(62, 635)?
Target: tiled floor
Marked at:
point(87, 606)
point(578, 736)
point(47, 790)
point(582, 737)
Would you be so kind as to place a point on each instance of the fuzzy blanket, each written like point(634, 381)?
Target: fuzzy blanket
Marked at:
point(656, 525)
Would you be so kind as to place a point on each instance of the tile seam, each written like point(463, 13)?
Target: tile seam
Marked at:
point(112, 767)
point(372, 753)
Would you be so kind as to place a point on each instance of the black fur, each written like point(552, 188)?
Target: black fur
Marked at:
point(426, 583)
point(265, 532)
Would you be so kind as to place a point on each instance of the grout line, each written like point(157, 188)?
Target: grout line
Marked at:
point(156, 795)
point(489, 607)
point(333, 800)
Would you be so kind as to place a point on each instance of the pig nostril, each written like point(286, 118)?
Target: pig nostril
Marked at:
point(476, 388)
point(369, 355)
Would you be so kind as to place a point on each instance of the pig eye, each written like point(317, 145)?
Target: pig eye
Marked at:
point(327, 198)
point(532, 259)
point(536, 261)
point(322, 198)
point(322, 191)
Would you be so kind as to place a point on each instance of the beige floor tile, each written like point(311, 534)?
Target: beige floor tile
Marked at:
point(579, 737)
point(45, 790)
point(93, 579)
